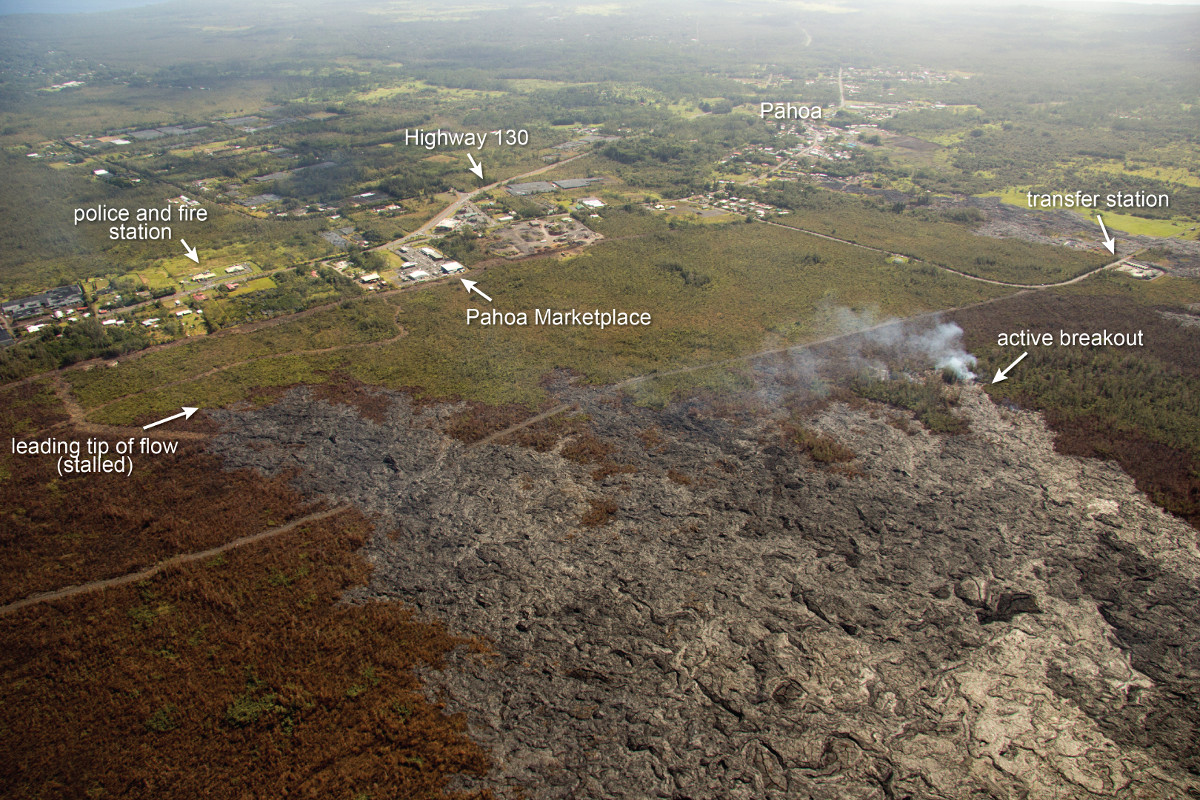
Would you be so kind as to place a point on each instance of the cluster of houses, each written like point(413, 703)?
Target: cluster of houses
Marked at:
point(818, 142)
point(735, 205)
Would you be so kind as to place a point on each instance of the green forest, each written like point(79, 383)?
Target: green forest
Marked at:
point(1139, 407)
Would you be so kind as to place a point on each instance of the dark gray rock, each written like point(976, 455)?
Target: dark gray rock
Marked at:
point(957, 622)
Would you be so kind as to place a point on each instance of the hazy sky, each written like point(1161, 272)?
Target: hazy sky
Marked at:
point(75, 6)
point(66, 6)
point(1102, 2)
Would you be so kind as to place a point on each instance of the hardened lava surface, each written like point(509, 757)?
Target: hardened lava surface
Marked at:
point(722, 617)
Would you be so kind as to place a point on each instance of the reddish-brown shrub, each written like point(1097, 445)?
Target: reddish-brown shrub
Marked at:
point(600, 512)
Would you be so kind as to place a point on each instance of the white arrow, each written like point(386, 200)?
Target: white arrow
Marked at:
point(191, 251)
point(471, 288)
point(1002, 374)
point(477, 168)
point(1109, 241)
point(186, 414)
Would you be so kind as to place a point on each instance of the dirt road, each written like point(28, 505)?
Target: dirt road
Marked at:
point(170, 563)
point(1067, 282)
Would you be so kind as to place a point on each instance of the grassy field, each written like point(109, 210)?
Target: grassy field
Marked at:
point(1014, 196)
point(1139, 226)
point(1180, 175)
point(256, 285)
point(351, 323)
point(1127, 223)
point(714, 292)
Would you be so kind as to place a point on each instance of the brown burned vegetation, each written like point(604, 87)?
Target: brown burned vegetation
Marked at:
point(710, 404)
point(652, 438)
point(544, 435)
point(610, 468)
point(243, 676)
point(681, 478)
point(1137, 406)
point(600, 512)
point(29, 407)
point(478, 420)
point(578, 443)
point(343, 389)
point(58, 531)
point(820, 447)
point(585, 448)
point(240, 676)
point(61, 531)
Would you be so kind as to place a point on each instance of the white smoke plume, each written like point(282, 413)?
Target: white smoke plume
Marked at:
point(859, 343)
point(937, 343)
point(943, 344)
